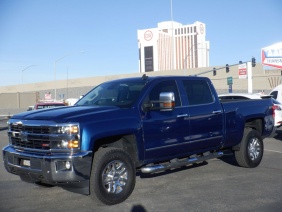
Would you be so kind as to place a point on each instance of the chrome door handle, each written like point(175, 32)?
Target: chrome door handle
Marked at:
point(182, 115)
point(216, 111)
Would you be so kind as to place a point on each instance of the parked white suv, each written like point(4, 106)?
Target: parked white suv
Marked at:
point(276, 93)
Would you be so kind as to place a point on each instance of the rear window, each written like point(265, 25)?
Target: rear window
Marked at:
point(274, 94)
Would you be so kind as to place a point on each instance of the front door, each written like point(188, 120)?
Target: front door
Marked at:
point(165, 132)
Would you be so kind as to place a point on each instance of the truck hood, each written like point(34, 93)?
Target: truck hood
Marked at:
point(62, 114)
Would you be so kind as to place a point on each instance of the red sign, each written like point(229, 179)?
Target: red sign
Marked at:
point(47, 96)
point(242, 71)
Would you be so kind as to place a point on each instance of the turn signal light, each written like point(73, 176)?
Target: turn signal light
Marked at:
point(169, 104)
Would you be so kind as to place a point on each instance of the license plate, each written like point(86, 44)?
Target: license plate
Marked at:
point(26, 162)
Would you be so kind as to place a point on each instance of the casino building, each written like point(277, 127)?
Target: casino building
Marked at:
point(173, 46)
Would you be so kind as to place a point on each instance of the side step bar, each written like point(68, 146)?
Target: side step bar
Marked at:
point(179, 162)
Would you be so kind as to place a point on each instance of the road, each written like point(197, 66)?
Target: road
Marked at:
point(217, 185)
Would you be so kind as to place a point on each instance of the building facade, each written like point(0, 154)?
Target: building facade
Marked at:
point(173, 46)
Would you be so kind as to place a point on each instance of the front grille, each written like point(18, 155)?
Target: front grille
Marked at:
point(30, 129)
point(32, 141)
point(41, 136)
point(33, 137)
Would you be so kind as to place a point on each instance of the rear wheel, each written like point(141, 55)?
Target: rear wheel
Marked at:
point(251, 149)
point(112, 176)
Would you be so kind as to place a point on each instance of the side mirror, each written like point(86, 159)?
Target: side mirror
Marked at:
point(167, 101)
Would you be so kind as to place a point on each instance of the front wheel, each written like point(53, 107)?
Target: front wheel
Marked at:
point(251, 149)
point(112, 177)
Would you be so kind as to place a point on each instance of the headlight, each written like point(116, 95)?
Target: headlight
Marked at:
point(66, 137)
point(70, 129)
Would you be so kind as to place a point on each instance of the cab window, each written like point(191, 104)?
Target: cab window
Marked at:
point(165, 86)
point(198, 92)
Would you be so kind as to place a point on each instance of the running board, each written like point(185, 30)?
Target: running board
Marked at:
point(179, 162)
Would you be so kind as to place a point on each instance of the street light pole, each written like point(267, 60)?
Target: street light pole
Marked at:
point(55, 64)
point(188, 55)
point(25, 69)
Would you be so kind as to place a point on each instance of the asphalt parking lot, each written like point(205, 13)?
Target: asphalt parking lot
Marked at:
point(216, 185)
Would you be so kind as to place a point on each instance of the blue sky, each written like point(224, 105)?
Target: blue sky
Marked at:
point(36, 33)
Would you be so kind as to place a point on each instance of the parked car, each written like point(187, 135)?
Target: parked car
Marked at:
point(71, 101)
point(276, 93)
point(44, 105)
point(30, 108)
point(277, 106)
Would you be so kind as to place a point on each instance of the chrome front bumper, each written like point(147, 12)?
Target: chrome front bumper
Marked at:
point(56, 169)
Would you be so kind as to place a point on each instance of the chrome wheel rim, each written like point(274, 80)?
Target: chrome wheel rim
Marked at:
point(254, 148)
point(115, 177)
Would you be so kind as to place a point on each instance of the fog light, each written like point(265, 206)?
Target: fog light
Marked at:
point(68, 165)
point(63, 166)
point(73, 144)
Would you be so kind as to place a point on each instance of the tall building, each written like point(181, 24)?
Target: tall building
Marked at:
point(173, 46)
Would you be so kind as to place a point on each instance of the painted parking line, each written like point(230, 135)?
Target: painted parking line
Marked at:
point(272, 151)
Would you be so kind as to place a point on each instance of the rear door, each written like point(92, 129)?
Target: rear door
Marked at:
point(205, 115)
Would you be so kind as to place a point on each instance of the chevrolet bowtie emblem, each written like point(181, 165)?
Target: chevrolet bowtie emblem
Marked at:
point(23, 136)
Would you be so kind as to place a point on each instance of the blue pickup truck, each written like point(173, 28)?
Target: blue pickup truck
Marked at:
point(143, 124)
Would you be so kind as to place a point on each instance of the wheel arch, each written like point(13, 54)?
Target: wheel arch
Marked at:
point(127, 142)
point(255, 124)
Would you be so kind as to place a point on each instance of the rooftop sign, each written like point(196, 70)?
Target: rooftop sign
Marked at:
point(272, 55)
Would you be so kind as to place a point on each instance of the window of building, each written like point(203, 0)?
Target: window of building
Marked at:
point(149, 58)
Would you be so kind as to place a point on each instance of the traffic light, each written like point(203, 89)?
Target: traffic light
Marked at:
point(214, 72)
point(227, 68)
point(253, 62)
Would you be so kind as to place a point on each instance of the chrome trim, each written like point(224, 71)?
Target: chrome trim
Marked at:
point(182, 115)
point(217, 111)
point(43, 168)
point(179, 162)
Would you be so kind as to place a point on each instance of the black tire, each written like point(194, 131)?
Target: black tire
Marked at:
point(112, 176)
point(251, 149)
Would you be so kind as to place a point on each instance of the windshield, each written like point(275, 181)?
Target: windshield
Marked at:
point(115, 93)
